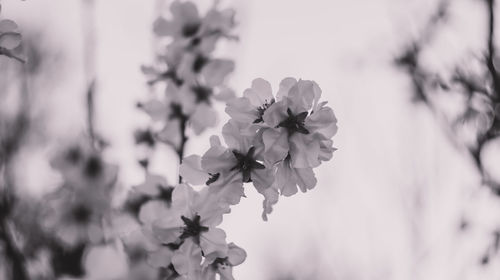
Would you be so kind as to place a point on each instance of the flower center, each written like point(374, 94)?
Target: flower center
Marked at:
point(165, 193)
point(74, 155)
point(213, 178)
point(81, 214)
point(192, 228)
point(93, 167)
point(262, 109)
point(202, 94)
point(199, 62)
point(294, 123)
point(220, 262)
point(246, 164)
point(190, 29)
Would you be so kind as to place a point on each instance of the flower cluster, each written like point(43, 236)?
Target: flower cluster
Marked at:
point(171, 231)
point(192, 78)
point(77, 209)
point(273, 142)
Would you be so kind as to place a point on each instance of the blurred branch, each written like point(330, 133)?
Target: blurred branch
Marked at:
point(90, 112)
point(89, 38)
point(10, 144)
point(424, 81)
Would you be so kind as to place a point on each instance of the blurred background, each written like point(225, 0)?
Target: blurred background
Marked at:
point(397, 201)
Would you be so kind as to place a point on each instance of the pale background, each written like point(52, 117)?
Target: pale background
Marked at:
point(390, 202)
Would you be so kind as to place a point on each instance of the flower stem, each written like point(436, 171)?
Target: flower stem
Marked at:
point(182, 146)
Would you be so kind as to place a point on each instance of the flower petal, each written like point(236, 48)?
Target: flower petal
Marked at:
point(152, 184)
point(10, 40)
point(322, 121)
point(170, 133)
point(192, 171)
point(285, 181)
point(304, 151)
point(216, 71)
point(305, 178)
point(262, 179)
point(187, 260)
point(285, 85)
point(235, 254)
point(275, 114)
point(276, 145)
point(7, 25)
point(260, 93)
point(271, 197)
point(214, 240)
point(204, 116)
point(152, 211)
point(241, 110)
point(228, 188)
point(161, 257)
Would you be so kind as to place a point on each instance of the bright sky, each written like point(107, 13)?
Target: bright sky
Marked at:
point(387, 206)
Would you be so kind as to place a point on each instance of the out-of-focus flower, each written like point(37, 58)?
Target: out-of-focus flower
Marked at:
point(83, 168)
point(75, 216)
point(223, 264)
point(192, 30)
point(152, 197)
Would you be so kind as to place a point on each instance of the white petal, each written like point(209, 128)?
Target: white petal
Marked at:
point(236, 255)
point(152, 211)
point(203, 117)
point(285, 86)
point(217, 159)
point(271, 197)
point(10, 40)
point(7, 25)
point(105, 262)
point(305, 178)
point(214, 240)
point(216, 71)
point(302, 96)
point(241, 110)
point(170, 133)
point(260, 92)
point(262, 178)
point(160, 258)
point(304, 151)
point(322, 121)
point(192, 171)
point(276, 145)
point(152, 184)
point(225, 94)
point(275, 114)
point(228, 188)
point(163, 27)
point(187, 12)
point(187, 260)
point(285, 181)
point(156, 109)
